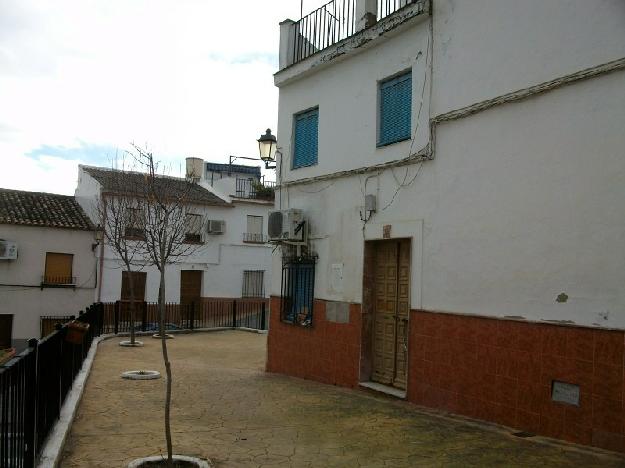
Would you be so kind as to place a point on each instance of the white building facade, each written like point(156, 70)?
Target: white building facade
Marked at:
point(488, 212)
point(232, 259)
point(47, 264)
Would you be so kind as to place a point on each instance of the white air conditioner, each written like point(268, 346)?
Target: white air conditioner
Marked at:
point(8, 250)
point(286, 225)
point(214, 226)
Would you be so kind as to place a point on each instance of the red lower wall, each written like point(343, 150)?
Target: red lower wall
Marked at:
point(484, 368)
point(327, 352)
point(502, 370)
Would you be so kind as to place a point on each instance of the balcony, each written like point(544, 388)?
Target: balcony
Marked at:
point(333, 23)
point(253, 189)
point(254, 238)
point(48, 281)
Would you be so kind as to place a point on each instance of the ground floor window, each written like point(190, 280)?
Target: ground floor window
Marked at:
point(253, 283)
point(298, 287)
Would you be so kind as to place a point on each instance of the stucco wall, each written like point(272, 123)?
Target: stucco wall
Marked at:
point(20, 279)
point(347, 94)
point(485, 48)
point(522, 202)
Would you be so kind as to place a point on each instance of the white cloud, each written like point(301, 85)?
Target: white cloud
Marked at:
point(186, 77)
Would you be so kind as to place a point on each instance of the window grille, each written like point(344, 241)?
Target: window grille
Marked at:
point(253, 283)
point(306, 138)
point(298, 289)
point(193, 228)
point(395, 110)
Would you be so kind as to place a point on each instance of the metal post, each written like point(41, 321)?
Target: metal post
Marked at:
point(30, 415)
point(116, 318)
point(262, 316)
point(144, 316)
point(234, 313)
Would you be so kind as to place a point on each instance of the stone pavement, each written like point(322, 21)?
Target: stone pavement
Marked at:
point(227, 409)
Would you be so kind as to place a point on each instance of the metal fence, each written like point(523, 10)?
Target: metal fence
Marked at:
point(327, 25)
point(33, 387)
point(48, 323)
point(333, 22)
point(298, 290)
point(207, 313)
point(255, 189)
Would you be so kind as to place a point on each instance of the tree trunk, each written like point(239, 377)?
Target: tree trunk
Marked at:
point(131, 287)
point(161, 313)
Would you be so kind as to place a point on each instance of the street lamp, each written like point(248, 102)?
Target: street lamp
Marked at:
point(267, 144)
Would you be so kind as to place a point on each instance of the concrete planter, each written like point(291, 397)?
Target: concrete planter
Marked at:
point(129, 344)
point(180, 461)
point(141, 375)
point(167, 336)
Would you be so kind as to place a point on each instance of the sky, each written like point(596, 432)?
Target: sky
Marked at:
point(82, 79)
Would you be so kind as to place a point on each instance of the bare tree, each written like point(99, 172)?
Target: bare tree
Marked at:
point(166, 226)
point(121, 216)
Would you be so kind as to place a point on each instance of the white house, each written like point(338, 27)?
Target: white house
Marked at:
point(47, 265)
point(460, 168)
point(232, 259)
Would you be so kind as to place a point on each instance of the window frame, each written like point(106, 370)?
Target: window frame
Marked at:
point(135, 226)
point(397, 77)
point(48, 280)
point(256, 278)
point(298, 274)
point(195, 236)
point(301, 114)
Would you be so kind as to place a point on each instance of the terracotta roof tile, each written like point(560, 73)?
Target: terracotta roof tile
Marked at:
point(42, 210)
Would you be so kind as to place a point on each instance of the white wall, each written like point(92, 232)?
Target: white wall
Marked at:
point(521, 203)
point(222, 258)
point(20, 280)
point(485, 48)
point(347, 95)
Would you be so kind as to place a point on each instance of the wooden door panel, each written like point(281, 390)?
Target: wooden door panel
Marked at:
point(190, 286)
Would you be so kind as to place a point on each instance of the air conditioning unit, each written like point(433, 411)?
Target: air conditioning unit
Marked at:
point(8, 250)
point(214, 226)
point(286, 225)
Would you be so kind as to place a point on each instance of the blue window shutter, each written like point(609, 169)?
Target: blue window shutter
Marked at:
point(395, 113)
point(306, 138)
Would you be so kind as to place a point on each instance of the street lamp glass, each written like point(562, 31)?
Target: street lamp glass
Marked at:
point(267, 146)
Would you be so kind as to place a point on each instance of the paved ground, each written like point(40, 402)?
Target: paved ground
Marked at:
point(227, 409)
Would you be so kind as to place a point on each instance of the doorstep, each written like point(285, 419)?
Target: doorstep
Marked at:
point(378, 387)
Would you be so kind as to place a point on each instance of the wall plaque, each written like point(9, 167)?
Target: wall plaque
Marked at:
point(565, 393)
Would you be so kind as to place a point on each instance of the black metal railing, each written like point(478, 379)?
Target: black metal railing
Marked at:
point(254, 238)
point(63, 281)
point(34, 385)
point(325, 26)
point(333, 22)
point(388, 7)
point(298, 290)
point(254, 189)
point(206, 313)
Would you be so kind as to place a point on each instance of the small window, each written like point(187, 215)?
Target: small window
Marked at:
point(306, 139)
point(254, 231)
point(253, 283)
point(58, 270)
point(193, 228)
point(138, 285)
point(395, 110)
point(298, 287)
point(134, 224)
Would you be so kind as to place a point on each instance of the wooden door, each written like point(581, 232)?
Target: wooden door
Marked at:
point(138, 285)
point(392, 305)
point(190, 286)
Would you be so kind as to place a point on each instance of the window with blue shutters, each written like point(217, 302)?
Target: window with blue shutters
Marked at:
point(306, 141)
point(395, 109)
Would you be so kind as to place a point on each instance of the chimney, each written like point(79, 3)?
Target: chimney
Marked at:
point(195, 169)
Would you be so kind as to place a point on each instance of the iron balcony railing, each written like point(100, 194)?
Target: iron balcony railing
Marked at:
point(332, 23)
point(254, 238)
point(255, 189)
point(57, 281)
